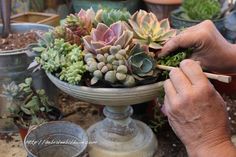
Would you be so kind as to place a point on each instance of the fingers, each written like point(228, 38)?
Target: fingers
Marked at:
point(169, 89)
point(193, 71)
point(185, 39)
point(191, 37)
point(179, 80)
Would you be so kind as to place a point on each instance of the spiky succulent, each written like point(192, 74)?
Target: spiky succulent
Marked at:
point(103, 37)
point(110, 66)
point(141, 63)
point(110, 16)
point(149, 31)
point(62, 32)
point(76, 26)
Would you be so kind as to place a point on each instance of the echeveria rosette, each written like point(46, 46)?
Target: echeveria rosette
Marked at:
point(149, 31)
point(103, 37)
point(141, 63)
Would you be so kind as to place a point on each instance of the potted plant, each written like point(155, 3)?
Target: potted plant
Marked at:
point(193, 12)
point(131, 5)
point(162, 8)
point(29, 106)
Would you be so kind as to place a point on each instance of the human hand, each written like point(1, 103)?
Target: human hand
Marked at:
point(209, 47)
point(195, 111)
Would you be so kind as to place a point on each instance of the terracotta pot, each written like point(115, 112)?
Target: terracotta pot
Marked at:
point(162, 8)
point(224, 88)
point(23, 132)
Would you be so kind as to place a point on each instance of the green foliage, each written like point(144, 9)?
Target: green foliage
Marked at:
point(201, 9)
point(172, 60)
point(110, 16)
point(159, 119)
point(64, 58)
point(27, 101)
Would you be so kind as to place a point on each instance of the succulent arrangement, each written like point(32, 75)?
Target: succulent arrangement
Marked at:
point(107, 47)
point(201, 9)
point(28, 105)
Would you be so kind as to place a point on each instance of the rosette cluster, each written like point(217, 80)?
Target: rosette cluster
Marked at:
point(109, 45)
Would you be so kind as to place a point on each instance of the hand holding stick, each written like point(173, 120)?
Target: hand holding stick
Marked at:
point(221, 78)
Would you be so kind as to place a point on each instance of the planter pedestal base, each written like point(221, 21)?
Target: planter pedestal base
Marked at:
point(120, 136)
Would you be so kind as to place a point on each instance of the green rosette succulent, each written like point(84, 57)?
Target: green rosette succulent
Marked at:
point(149, 31)
point(141, 63)
point(102, 38)
point(201, 9)
point(110, 16)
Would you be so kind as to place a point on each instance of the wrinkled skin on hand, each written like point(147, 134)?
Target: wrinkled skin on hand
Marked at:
point(209, 47)
point(195, 110)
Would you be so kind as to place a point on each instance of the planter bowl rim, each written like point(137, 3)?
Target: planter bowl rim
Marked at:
point(22, 50)
point(110, 96)
point(164, 2)
point(176, 11)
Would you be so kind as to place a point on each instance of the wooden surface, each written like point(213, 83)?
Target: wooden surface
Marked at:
point(36, 17)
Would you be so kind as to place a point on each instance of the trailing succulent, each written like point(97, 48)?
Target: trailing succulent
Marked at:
point(27, 102)
point(64, 59)
point(149, 31)
point(201, 9)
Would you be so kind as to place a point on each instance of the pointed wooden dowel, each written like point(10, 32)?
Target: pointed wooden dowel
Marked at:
point(221, 78)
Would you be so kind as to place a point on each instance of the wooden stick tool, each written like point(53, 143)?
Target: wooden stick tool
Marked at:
point(221, 78)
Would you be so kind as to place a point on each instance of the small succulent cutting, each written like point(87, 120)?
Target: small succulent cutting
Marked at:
point(103, 37)
point(149, 31)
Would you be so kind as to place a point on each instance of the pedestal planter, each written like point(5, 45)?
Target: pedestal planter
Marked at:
point(130, 5)
point(162, 8)
point(117, 135)
point(180, 23)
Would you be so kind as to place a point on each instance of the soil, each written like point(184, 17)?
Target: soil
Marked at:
point(18, 40)
point(231, 109)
